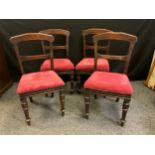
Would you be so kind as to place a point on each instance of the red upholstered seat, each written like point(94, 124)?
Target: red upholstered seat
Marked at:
point(87, 64)
point(109, 82)
point(60, 64)
point(39, 81)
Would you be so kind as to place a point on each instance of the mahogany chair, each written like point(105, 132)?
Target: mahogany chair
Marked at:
point(86, 66)
point(61, 65)
point(37, 82)
point(110, 83)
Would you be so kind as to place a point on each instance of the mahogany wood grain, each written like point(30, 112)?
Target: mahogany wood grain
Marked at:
point(110, 36)
point(15, 40)
point(92, 32)
point(60, 32)
point(66, 34)
point(37, 37)
point(118, 36)
point(85, 34)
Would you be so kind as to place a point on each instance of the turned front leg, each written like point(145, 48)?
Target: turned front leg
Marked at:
point(62, 103)
point(52, 94)
point(87, 102)
point(117, 99)
point(78, 83)
point(24, 105)
point(72, 83)
point(95, 96)
point(31, 99)
point(125, 108)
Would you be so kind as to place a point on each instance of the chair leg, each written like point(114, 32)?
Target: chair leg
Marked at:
point(72, 83)
point(87, 102)
point(95, 96)
point(117, 99)
point(24, 105)
point(125, 108)
point(78, 83)
point(62, 103)
point(31, 99)
point(52, 94)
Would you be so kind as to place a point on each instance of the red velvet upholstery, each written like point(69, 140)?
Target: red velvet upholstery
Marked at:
point(87, 64)
point(39, 81)
point(109, 82)
point(60, 64)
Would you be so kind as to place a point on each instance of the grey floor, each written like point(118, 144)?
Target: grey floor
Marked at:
point(104, 114)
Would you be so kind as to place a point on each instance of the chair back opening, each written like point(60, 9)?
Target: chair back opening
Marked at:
point(61, 43)
point(118, 42)
point(26, 40)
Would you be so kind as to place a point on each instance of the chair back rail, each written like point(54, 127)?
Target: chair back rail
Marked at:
point(93, 31)
point(119, 36)
point(15, 40)
point(60, 32)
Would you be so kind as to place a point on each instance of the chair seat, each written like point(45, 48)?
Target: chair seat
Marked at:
point(109, 82)
point(60, 64)
point(39, 81)
point(87, 64)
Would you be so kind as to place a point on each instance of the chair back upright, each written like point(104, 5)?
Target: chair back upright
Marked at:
point(115, 36)
point(57, 32)
point(91, 32)
point(28, 37)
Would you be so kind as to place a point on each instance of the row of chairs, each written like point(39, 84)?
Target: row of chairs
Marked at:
point(100, 82)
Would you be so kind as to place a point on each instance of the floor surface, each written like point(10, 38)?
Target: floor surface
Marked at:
point(104, 114)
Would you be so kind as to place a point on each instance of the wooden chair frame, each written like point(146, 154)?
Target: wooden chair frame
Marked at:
point(112, 36)
point(37, 37)
point(65, 47)
point(85, 33)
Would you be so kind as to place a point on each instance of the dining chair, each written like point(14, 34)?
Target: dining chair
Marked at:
point(62, 65)
point(86, 66)
point(34, 83)
point(111, 83)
